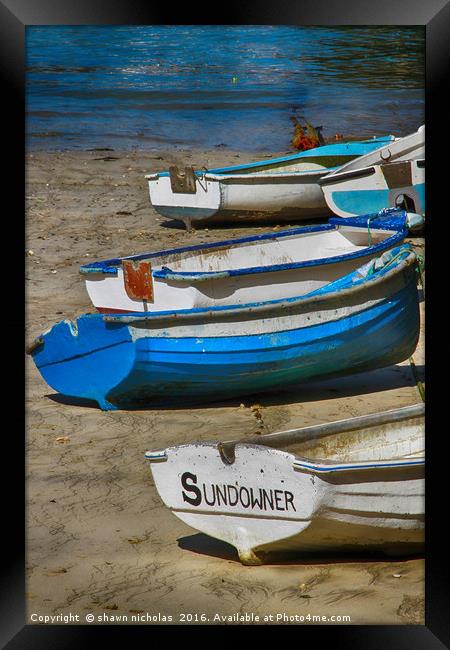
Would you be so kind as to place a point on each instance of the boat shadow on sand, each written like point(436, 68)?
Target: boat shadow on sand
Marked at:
point(202, 544)
point(375, 381)
point(262, 223)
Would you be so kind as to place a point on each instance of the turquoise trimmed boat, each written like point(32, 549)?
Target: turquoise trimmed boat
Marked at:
point(278, 189)
point(379, 187)
point(390, 177)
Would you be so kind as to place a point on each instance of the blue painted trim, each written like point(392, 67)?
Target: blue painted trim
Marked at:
point(111, 266)
point(352, 280)
point(234, 171)
point(385, 219)
point(343, 468)
point(357, 148)
point(168, 274)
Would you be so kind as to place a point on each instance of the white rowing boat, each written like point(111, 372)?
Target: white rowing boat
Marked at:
point(264, 267)
point(346, 485)
point(284, 188)
point(378, 187)
point(391, 176)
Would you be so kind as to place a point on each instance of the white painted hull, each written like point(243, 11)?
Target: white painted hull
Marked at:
point(371, 189)
point(247, 197)
point(368, 494)
point(267, 269)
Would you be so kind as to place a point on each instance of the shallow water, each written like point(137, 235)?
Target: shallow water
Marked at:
point(200, 86)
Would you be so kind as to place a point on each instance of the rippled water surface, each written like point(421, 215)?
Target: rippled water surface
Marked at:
point(154, 86)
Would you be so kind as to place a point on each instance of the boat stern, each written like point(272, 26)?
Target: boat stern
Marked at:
point(85, 358)
point(184, 196)
point(246, 495)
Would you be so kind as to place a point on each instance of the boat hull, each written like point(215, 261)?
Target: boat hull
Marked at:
point(246, 198)
point(210, 355)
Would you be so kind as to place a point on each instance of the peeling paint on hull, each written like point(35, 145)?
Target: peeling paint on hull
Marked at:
point(125, 361)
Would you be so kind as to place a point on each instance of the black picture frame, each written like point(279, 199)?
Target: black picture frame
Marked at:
point(15, 16)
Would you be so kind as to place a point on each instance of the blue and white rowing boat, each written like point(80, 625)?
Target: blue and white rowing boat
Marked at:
point(369, 189)
point(347, 485)
point(392, 176)
point(234, 272)
point(364, 320)
point(284, 188)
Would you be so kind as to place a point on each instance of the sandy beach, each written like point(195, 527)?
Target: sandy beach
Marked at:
point(99, 539)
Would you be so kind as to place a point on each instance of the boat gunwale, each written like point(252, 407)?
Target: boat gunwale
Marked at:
point(187, 276)
point(303, 155)
point(268, 306)
point(408, 150)
point(326, 467)
point(363, 172)
point(260, 175)
point(337, 177)
point(280, 439)
point(112, 265)
point(302, 463)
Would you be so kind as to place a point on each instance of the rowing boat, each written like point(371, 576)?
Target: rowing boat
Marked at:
point(390, 176)
point(364, 320)
point(378, 187)
point(263, 267)
point(277, 189)
point(342, 486)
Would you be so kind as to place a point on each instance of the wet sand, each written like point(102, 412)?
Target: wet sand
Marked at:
point(99, 540)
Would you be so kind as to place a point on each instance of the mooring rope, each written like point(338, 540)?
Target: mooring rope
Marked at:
point(399, 254)
point(420, 266)
point(369, 235)
point(419, 384)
